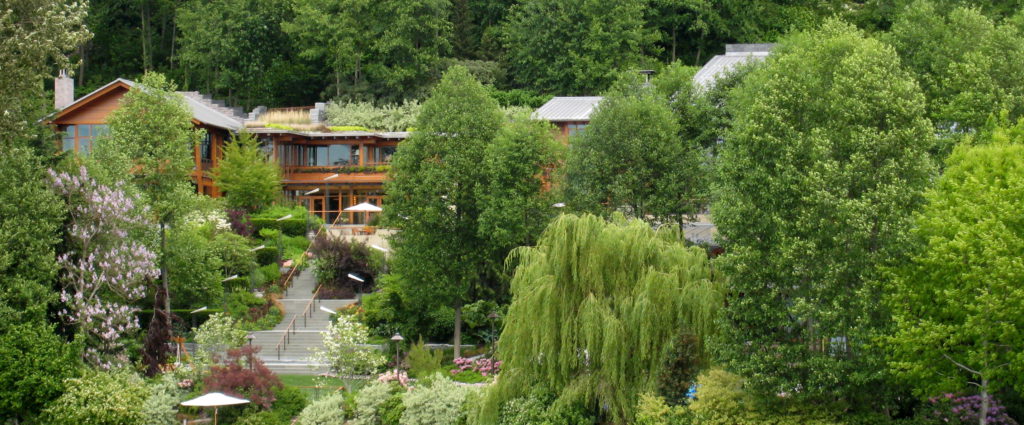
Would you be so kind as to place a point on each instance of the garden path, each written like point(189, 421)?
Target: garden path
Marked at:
point(293, 358)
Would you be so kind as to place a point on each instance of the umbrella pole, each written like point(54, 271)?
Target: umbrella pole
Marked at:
point(215, 415)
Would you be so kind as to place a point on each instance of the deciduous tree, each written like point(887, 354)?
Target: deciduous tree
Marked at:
point(819, 175)
point(955, 303)
point(595, 305)
point(249, 179)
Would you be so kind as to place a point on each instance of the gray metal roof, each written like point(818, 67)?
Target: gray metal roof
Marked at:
point(735, 54)
point(576, 108)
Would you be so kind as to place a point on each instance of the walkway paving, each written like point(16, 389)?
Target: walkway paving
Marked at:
point(293, 357)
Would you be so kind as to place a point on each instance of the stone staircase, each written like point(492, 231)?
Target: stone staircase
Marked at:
point(293, 357)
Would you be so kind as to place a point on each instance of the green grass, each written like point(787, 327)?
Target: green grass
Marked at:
point(315, 387)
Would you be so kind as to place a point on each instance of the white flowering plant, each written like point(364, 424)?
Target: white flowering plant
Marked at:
point(345, 349)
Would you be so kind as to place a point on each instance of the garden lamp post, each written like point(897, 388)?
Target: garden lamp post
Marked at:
point(398, 341)
point(494, 337)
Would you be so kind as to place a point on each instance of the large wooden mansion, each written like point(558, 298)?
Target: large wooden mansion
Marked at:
point(327, 171)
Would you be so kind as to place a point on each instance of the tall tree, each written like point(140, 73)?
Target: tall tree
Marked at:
point(249, 179)
point(631, 158)
point(433, 190)
point(967, 64)
point(36, 38)
point(956, 302)
point(151, 142)
point(575, 48)
point(594, 308)
point(385, 50)
point(825, 163)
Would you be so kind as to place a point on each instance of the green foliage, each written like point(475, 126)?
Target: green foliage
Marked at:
point(370, 402)
point(422, 361)
point(267, 256)
point(161, 406)
point(576, 47)
point(536, 409)
point(101, 398)
point(723, 400)
point(967, 64)
point(39, 38)
point(369, 53)
point(329, 410)
point(441, 402)
point(345, 348)
point(260, 417)
point(434, 182)
point(30, 217)
point(217, 335)
point(254, 313)
point(653, 410)
point(953, 302)
point(362, 116)
point(235, 254)
point(631, 158)
point(295, 225)
point(391, 411)
point(289, 402)
point(194, 268)
point(249, 178)
point(469, 377)
point(595, 305)
point(34, 362)
point(825, 163)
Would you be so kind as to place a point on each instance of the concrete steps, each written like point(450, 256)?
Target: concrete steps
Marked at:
point(293, 355)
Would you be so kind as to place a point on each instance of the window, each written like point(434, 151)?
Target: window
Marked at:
point(206, 147)
point(575, 128)
point(318, 156)
point(339, 154)
point(69, 138)
point(79, 138)
point(383, 154)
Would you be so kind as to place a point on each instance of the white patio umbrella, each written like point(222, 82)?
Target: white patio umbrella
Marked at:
point(364, 207)
point(214, 400)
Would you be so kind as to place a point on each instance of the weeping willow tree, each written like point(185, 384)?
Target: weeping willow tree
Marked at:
point(595, 307)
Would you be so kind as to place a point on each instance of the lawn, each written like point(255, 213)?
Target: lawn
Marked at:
point(315, 387)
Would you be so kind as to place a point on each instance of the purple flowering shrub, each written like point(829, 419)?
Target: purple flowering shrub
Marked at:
point(240, 222)
point(960, 409)
point(104, 270)
point(484, 366)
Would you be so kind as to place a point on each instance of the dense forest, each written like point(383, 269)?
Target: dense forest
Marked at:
point(296, 52)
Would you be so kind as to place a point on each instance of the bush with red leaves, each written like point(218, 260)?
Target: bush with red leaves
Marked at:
point(240, 379)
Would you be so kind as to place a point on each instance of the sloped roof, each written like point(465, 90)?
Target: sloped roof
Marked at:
point(735, 54)
point(203, 110)
point(577, 108)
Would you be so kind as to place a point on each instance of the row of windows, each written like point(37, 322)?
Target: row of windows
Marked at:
point(331, 155)
point(575, 128)
point(79, 138)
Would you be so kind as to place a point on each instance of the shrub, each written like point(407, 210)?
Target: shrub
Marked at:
point(161, 407)
point(422, 361)
point(218, 334)
point(722, 400)
point(348, 128)
point(268, 255)
point(345, 351)
point(534, 409)
point(484, 366)
point(99, 398)
point(234, 252)
point(653, 410)
point(328, 410)
point(959, 409)
point(468, 377)
point(34, 364)
point(193, 268)
point(240, 222)
point(391, 410)
point(267, 218)
point(369, 401)
point(290, 401)
point(391, 117)
point(255, 417)
point(271, 272)
point(337, 258)
point(442, 402)
point(241, 379)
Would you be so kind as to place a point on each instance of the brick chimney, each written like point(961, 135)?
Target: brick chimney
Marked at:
point(63, 90)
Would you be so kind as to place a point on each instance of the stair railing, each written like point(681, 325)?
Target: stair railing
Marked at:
point(288, 331)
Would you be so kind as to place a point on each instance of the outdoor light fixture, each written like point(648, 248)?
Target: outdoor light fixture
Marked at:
point(285, 217)
point(313, 191)
point(397, 337)
point(232, 277)
point(356, 278)
point(379, 248)
point(329, 311)
point(559, 205)
point(331, 176)
point(257, 248)
point(203, 308)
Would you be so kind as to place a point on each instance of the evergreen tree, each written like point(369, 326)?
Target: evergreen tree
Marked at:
point(249, 179)
point(825, 163)
point(594, 308)
point(956, 303)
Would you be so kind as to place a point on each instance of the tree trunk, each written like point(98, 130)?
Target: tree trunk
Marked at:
point(458, 329)
point(983, 414)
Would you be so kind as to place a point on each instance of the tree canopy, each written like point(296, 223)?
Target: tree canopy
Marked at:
point(249, 179)
point(595, 305)
point(825, 162)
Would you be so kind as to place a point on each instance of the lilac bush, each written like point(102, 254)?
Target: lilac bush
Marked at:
point(960, 409)
point(104, 269)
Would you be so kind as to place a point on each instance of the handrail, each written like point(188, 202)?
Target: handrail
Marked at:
point(290, 329)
